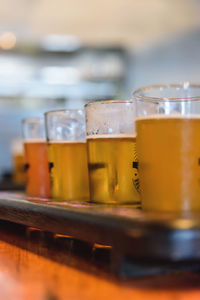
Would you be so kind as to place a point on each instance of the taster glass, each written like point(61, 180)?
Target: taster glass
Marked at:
point(35, 157)
point(168, 147)
point(112, 158)
point(67, 154)
point(17, 151)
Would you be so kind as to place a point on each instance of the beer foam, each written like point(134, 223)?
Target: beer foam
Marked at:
point(65, 142)
point(111, 136)
point(35, 141)
point(171, 116)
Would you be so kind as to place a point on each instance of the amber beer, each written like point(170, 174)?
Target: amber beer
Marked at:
point(17, 152)
point(169, 162)
point(68, 170)
point(36, 167)
point(18, 168)
point(113, 169)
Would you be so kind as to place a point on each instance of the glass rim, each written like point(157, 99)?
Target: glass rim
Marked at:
point(32, 119)
point(184, 85)
point(109, 101)
point(62, 111)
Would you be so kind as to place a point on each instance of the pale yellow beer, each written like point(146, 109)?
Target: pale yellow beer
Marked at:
point(112, 173)
point(168, 150)
point(68, 170)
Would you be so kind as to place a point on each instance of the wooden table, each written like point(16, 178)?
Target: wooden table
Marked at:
point(31, 267)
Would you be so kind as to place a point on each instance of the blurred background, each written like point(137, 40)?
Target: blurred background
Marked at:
point(63, 53)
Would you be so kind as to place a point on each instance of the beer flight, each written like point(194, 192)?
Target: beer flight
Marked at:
point(144, 150)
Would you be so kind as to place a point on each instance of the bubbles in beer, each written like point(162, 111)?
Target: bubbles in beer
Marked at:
point(112, 177)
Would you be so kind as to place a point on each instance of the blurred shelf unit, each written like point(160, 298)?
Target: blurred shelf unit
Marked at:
point(74, 72)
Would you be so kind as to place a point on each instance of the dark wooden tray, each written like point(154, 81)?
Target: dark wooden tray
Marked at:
point(131, 232)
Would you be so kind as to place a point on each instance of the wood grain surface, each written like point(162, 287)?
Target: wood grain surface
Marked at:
point(34, 266)
point(128, 229)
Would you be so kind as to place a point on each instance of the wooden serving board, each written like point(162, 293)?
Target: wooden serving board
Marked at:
point(131, 232)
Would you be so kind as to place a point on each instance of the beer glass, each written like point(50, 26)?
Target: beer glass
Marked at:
point(67, 154)
point(112, 158)
point(17, 152)
point(35, 156)
point(168, 147)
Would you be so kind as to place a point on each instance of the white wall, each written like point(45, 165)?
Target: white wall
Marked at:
point(129, 22)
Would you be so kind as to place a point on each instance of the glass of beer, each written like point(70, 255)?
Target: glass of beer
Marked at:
point(110, 127)
point(168, 147)
point(67, 154)
point(17, 152)
point(35, 157)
